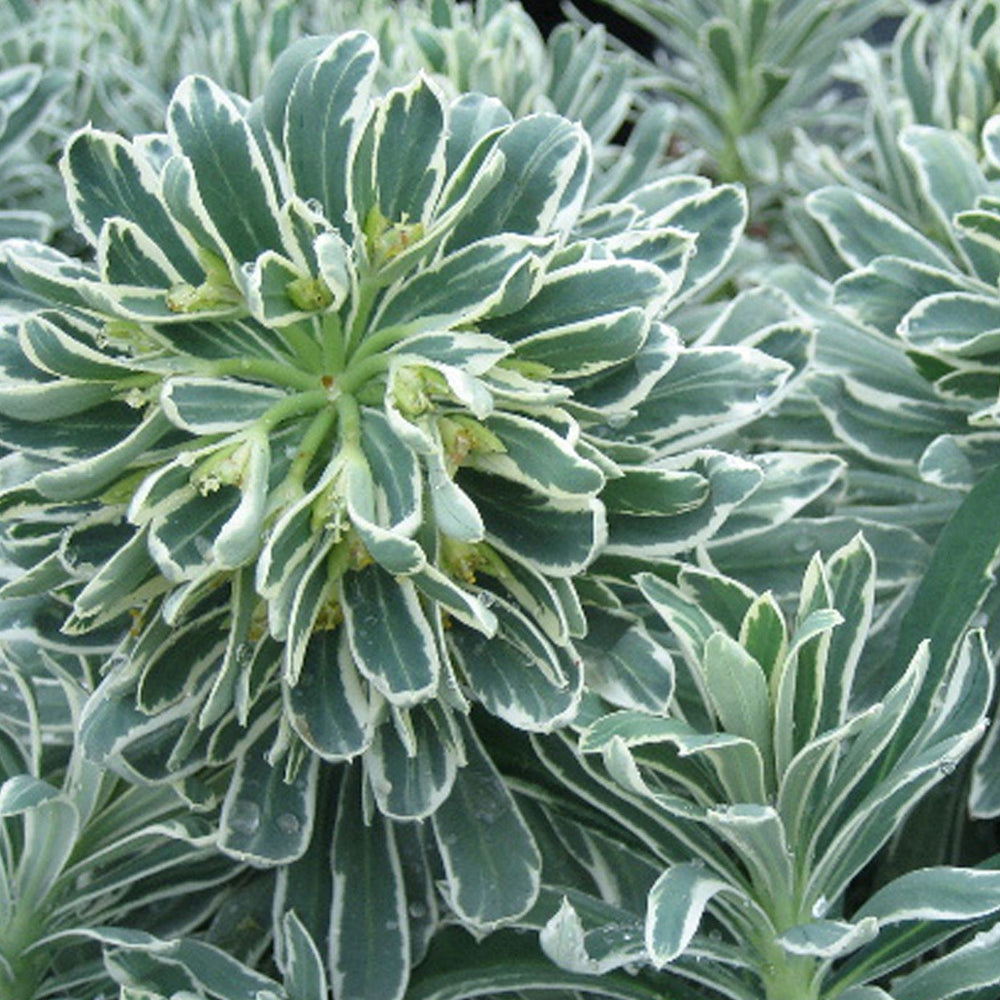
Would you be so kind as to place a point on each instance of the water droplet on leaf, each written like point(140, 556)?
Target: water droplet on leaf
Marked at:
point(244, 817)
point(288, 823)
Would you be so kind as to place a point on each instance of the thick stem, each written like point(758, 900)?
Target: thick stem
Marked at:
point(27, 970)
point(788, 978)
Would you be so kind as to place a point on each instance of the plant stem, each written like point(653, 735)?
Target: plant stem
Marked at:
point(261, 370)
point(293, 406)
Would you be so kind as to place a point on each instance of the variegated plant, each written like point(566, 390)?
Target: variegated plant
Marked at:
point(940, 71)
point(80, 849)
point(26, 95)
point(746, 74)
point(124, 60)
point(765, 792)
point(331, 428)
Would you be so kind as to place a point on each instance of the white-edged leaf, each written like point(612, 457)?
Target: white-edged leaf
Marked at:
point(492, 863)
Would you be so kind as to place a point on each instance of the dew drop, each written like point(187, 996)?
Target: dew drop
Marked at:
point(417, 911)
point(820, 907)
point(761, 397)
point(244, 654)
point(947, 767)
point(616, 421)
point(288, 823)
point(186, 459)
point(486, 599)
point(244, 817)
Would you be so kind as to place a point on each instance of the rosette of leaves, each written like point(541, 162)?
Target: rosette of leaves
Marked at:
point(746, 74)
point(940, 71)
point(765, 792)
point(922, 300)
point(329, 430)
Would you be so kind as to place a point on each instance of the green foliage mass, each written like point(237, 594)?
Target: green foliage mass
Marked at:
point(486, 514)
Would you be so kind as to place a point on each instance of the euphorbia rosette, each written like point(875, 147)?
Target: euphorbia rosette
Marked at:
point(319, 419)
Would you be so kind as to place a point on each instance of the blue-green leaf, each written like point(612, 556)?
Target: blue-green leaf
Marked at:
point(489, 855)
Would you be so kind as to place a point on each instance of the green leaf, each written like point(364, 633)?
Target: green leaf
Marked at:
point(850, 572)
point(707, 392)
point(227, 167)
point(676, 905)
point(862, 230)
point(737, 761)
point(828, 939)
point(739, 691)
point(594, 953)
point(87, 478)
point(51, 827)
point(625, 665)
point(329, 705)
point(956, 323)
point(716, 216)
point(881, 294)
point(955, 585)
point(320, 118)
point(538, 458)
point(460, 967)
point(60, 347)
point(950, 181)
point(411, 777)
point(460, 288)
point(404, 185)
point(763, 633)
point(972, 966)
point(720, 38)
point(107, 177)
point(305, 974)
point(369, 938)
point(556, 537)
point(585, 317)
point(960, 894)
point(517, 674)
point(391, 641)
point(266, 818)
point(642, 491)
point(545, 162)
point(489, 855)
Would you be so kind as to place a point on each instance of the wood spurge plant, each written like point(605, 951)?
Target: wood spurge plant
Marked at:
point(444, 465)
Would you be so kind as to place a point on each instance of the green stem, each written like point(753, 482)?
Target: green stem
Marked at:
point(379, 341)
point(350, 420)
point(15, 939)
point(790, 978)
point(315, 434)
point(367, 290)
point(261, 370)
point(303, 345)
point(292, 406)
point(333, 344)
point(359, 373)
